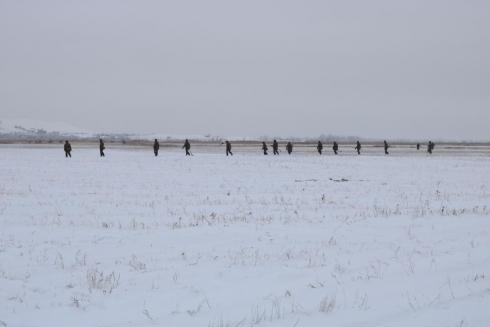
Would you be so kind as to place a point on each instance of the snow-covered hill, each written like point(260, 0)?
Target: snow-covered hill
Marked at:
point(28, 128)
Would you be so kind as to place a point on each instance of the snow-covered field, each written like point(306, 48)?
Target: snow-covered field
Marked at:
point(249, 240)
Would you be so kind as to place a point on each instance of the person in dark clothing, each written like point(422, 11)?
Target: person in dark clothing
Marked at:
point(418, 146)
point(289, 147)
point(187, 147)
point(67, 148)
point(275, 147)
point(101, 147)
point(156, 147)
point(228, 148)
point(358, 147)
point(264, 148)
point(319, 147)
point(335, 148)
point(430, 147)
point(386, 146)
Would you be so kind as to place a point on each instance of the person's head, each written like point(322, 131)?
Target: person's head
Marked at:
point(66, 141)
point(156, 140)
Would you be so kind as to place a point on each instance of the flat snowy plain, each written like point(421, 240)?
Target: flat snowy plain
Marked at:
point(249, 240)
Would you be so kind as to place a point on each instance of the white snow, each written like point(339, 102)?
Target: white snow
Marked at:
point(249, 240)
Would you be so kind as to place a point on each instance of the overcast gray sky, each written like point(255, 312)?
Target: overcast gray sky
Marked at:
point(378, 68)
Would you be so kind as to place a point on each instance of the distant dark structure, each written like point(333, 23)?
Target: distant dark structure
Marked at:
point(228, 148)
point(289, 147)
point(264, 148)
point(67, 148)
point(335, 148)
point(101, 147)
point(156, 147)
point(358, 147)
point(187, 147)
point(319, 147)
point(430, 147)
point(386, 146)
point(418, 146)
point(275, 147)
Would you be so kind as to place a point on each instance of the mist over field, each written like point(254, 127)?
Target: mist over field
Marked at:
point(378, 69)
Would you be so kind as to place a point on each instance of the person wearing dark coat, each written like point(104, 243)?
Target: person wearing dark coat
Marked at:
point(358, 147)
point(101, 147)
point(335, 148)
point(386, 146)
point(156, 147)
point(264, 148)
point(319, 147)
point(289, 147)
point(275, 147)
point(418, 146)
point(228, 148)
point(67, 148)
point(187, 147)
point(430, 147)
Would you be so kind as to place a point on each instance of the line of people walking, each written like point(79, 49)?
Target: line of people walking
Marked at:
point(265, 149)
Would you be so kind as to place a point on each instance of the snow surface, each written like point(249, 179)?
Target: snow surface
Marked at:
point(249, 240)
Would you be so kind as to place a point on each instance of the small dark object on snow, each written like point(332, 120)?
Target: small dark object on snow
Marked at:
point(335, 148)
point(358, 147)
point(386, 146)
point(264, 148)
point(430, 147)
point(67, 148)
point(101, 147)
point(156, 147)
point(228, 148)
point(275, 147)
point(187, 147)
point(319, 147)
point(339, 180)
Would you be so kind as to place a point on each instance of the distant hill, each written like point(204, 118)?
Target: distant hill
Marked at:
point(35, 131)
point(23, 129)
